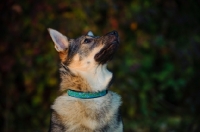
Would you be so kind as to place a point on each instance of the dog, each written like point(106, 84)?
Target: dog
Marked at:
point(86, 104)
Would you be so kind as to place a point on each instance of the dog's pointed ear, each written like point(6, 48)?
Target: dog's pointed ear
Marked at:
point(61, 42)
point(90, 34)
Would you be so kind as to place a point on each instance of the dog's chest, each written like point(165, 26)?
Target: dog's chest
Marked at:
point(88, 114)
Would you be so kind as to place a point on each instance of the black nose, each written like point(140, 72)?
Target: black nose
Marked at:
point(113, 33)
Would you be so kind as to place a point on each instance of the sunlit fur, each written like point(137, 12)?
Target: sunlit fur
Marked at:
point(81, 71)
point(99, 114)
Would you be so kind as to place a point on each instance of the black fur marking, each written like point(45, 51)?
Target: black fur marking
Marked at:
point(104, 128)
point(119, 119)
point(106, 53)
point(111, 42)
point(66, 70)
point(55, 123)
point(74, 46)
point(50, 122)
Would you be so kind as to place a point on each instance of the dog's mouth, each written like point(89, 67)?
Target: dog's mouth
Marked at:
point(111, 43)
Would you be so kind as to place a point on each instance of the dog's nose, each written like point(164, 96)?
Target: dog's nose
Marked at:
point(113, 33)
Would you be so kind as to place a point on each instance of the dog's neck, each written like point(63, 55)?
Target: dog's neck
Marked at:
point(98, 78)
point(92, 80)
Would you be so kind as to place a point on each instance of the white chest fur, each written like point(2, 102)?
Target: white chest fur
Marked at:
point(97, 77)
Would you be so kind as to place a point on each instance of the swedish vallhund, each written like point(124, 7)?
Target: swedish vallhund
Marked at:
point(86, 104)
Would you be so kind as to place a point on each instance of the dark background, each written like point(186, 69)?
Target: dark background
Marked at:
point(157, 66)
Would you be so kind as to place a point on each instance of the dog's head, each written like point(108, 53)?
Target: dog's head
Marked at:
point(86, 51)
point(84, 60)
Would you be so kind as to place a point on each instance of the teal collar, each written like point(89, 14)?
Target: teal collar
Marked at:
point(86, 95)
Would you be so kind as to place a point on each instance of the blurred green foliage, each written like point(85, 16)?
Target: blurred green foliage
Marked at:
point(156, 68)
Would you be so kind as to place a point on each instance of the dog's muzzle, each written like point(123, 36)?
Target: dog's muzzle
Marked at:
point(115, 35)
point(111, 42)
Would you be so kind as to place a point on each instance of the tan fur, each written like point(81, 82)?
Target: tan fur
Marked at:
point(83, 114)
point(76, 83)
point(63, 56)
point(86, 63)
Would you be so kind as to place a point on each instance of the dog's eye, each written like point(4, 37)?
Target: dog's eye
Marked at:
point(87, 40)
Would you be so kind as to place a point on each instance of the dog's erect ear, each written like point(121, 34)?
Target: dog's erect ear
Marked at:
point(90, 34)
point(61, 42)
